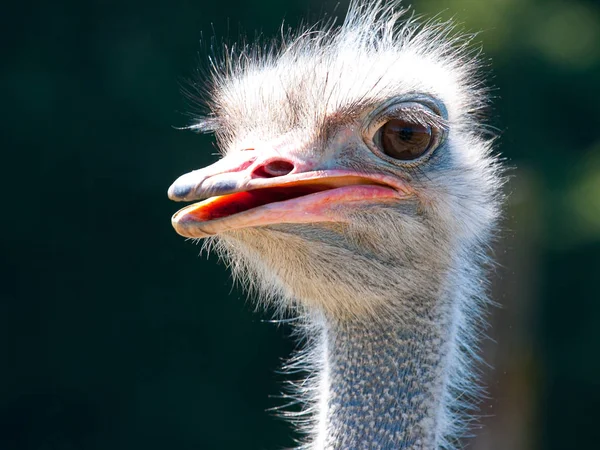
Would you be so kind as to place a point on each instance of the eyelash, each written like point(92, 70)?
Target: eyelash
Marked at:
point(417, 114)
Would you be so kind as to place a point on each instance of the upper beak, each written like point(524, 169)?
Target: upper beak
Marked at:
point(243, 191)
point(223, 177)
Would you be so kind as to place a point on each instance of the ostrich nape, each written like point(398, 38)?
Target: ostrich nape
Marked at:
point(357, 191)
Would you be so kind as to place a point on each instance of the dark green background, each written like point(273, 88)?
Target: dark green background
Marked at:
point(116, 335)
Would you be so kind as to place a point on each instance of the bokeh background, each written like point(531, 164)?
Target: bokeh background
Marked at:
point(116, 335)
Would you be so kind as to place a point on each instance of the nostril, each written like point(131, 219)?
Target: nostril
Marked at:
point(278, 168)
point(273, 169)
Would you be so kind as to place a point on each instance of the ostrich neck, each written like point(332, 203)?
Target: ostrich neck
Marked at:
point(382, 385)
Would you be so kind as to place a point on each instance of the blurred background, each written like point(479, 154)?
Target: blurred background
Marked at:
point(116, 335)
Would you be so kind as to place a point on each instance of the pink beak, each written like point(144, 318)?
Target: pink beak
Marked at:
point(241, 191)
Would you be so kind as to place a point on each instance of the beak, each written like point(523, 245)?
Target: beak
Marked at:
point(242, 191)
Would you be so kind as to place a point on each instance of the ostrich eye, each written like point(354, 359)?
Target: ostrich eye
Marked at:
point(404, 140)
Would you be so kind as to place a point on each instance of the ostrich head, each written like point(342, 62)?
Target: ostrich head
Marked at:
point(356, 186)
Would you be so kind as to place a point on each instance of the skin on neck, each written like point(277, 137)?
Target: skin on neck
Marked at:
point(382, 383)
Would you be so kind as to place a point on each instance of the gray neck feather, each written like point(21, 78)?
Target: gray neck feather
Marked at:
point(382, 384)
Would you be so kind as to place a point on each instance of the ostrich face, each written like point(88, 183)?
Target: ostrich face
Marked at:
point(347, 163)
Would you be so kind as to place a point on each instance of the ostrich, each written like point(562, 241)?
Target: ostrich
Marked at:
point(357, 192)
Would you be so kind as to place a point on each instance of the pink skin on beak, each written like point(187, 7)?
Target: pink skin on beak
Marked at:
point(243, 191)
